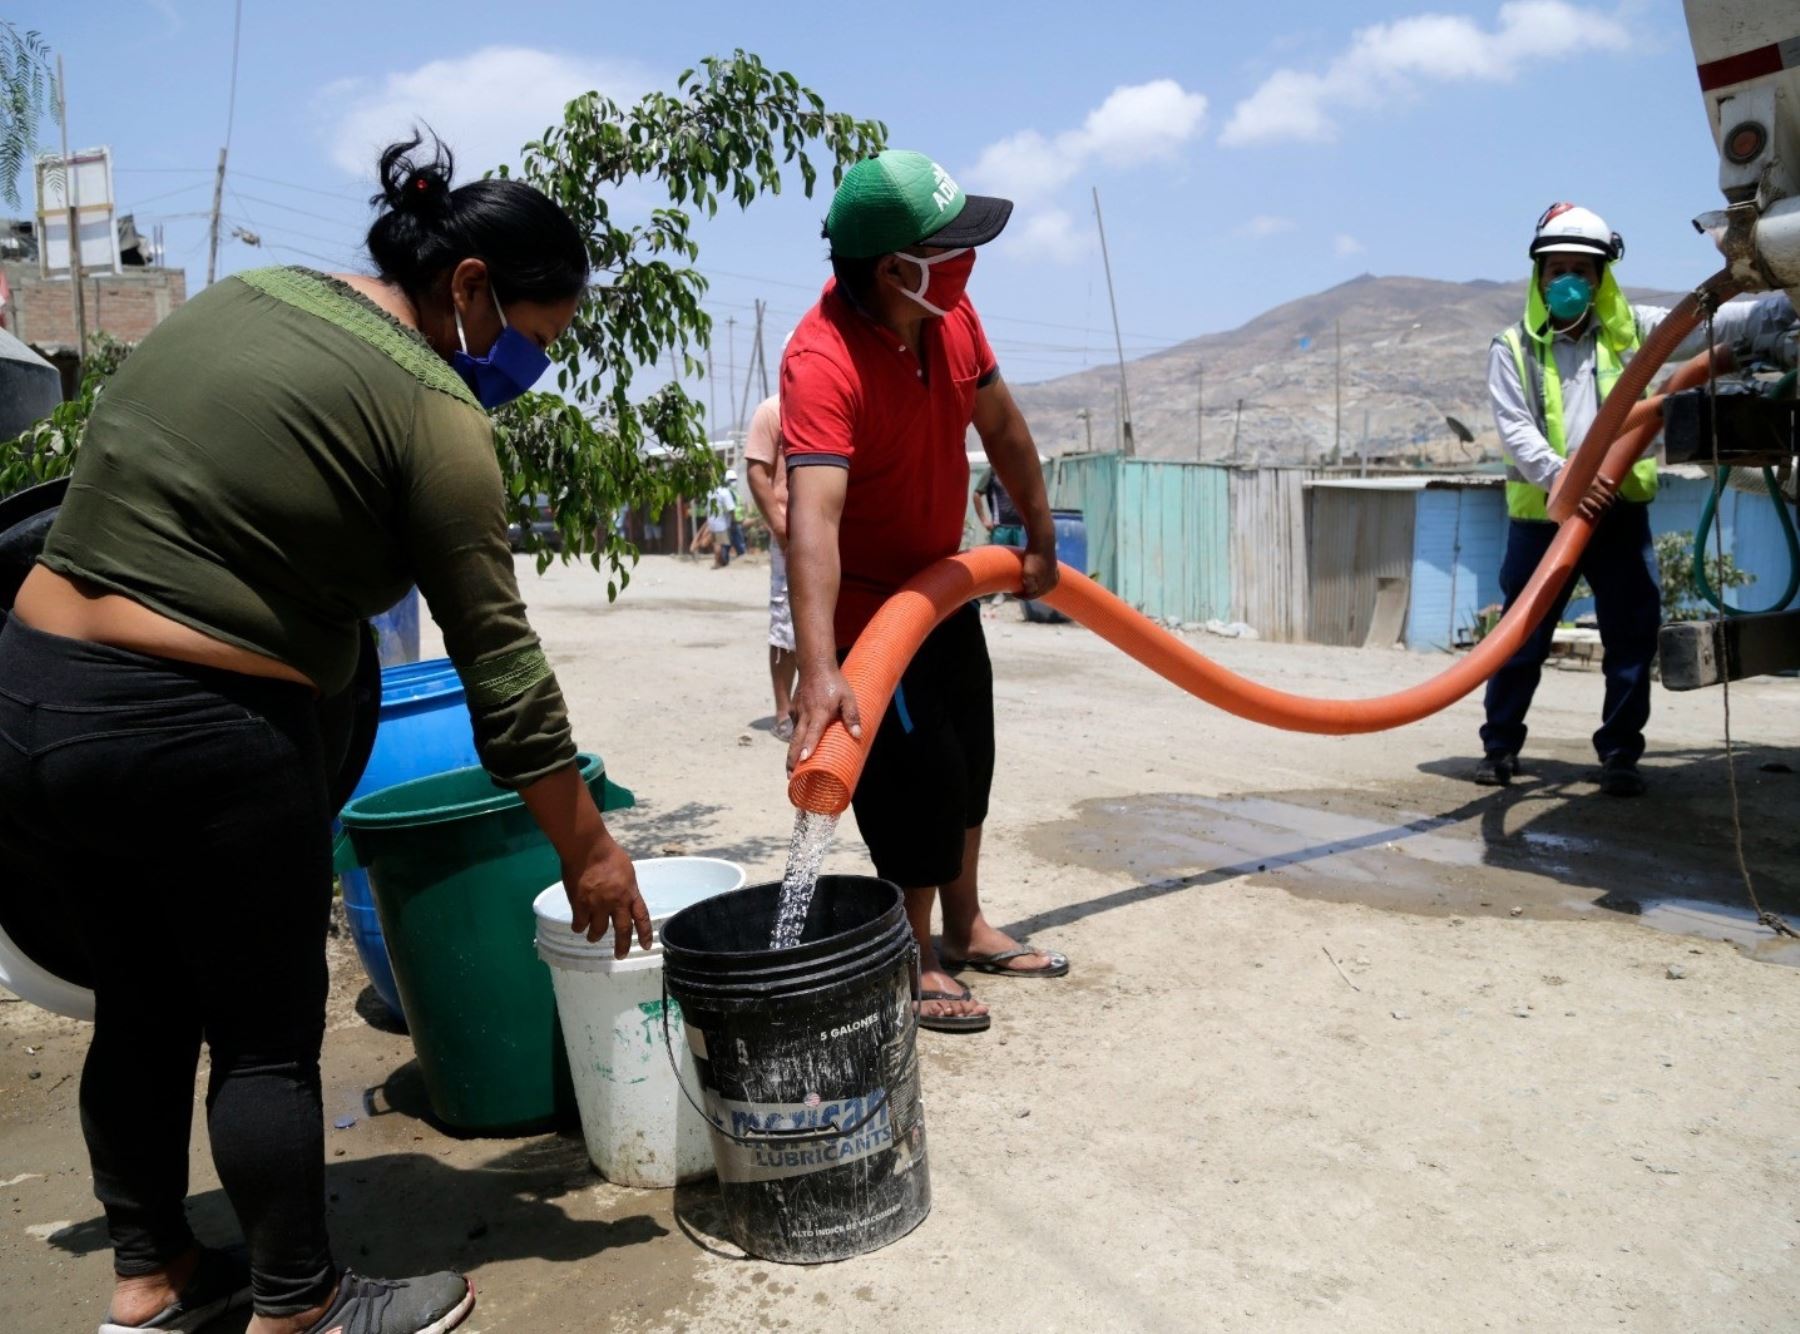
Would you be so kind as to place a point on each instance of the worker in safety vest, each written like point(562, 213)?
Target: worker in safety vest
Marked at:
point(1548, 375)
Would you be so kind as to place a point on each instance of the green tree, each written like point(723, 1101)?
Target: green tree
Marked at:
point(27, 90)
point(46, 450)
point(724, 136)
point(1682, 598)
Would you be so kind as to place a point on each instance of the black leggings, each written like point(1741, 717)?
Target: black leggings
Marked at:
point(178, 819)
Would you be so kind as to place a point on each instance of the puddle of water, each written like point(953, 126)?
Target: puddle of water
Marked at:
point(1699, 918)
point(1348, 847)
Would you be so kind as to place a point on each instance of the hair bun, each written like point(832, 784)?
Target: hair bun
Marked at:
point(409, 186)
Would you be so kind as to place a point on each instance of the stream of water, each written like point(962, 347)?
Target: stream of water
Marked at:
point(806, 854)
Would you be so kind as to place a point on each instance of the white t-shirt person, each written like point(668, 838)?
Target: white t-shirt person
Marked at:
point(721, 504)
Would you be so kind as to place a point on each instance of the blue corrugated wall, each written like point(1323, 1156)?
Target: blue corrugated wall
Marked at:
point(1158, 536)
point(1459, 535)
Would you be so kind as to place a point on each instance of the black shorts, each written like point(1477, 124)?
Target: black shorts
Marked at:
point(932, 765)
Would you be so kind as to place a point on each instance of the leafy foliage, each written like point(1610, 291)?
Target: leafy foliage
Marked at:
point(1681, 596)
point(27, 89)
point(724, 136)
point(46, 450)
point(1682, 599)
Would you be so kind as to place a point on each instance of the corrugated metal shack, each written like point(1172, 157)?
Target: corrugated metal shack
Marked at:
point(1408, 558)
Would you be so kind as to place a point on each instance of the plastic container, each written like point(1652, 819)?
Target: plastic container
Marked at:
point(398, 630)
point(808, 1066)
point(639, 1130)
point(455, 863)
point(424, 730)
point(1071, 550)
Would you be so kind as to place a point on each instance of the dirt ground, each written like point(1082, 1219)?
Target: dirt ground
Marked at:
point(1348, 1044)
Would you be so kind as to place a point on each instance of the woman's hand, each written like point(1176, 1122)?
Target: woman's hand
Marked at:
point(603, 893)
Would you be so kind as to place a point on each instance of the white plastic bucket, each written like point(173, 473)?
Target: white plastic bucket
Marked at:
point(31, 981)
point(639, 1129)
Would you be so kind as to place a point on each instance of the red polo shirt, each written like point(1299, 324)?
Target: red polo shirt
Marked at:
point(854, 396)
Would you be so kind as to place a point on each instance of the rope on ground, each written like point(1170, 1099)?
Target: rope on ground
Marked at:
point(1763, 916)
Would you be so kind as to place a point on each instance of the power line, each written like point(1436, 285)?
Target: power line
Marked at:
point(292, 231)
point(986, 319)
point(167, 194)
point(307, 189)
point(296, 250)
point(237, 23)
point(212, 254)
point(305, 213)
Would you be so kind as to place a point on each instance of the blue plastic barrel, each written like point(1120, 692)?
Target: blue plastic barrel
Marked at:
point(1071, 550)
point(424, 730)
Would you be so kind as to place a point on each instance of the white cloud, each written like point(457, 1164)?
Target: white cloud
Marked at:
point(1266, 224)
point(1046, 233)
point(1347, 245)
point(486, 106)
point(1137, 123)
point(1389, 60)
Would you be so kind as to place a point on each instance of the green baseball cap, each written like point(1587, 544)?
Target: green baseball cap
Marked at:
point(898, 199)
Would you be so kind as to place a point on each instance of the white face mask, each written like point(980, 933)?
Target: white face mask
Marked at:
point(925, 264)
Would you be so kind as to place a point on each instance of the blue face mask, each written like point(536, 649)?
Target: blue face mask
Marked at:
point(1569, 296)
point(512, 365)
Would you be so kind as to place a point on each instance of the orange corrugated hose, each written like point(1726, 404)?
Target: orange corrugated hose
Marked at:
point(823, 783)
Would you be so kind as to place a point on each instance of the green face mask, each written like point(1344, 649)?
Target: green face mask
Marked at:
point(1569, 296)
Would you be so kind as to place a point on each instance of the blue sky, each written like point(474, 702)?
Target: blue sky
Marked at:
point(1245, 155)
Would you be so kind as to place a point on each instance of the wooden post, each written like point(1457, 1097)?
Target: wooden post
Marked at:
point(1129, 445)
point(72, 197)
point(212, 246)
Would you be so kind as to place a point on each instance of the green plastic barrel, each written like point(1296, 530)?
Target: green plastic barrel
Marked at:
point(455, 863)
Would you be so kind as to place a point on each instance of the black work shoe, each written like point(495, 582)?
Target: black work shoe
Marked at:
point(1497, 770)
point(219, 1284)
point(1620, 778)
point(430, 1304)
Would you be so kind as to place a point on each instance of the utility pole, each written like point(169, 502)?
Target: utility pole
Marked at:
point(1362, 454)
point(212, 245)
point(1087, 420)
point(712, 392)
point(212, 249)
point(1236, 423)
point(1119, 436)
point(1126, 442)
point(762, 364)
point(72, 195)
point(756, 352)
point(731, 363)
point(1200, 412)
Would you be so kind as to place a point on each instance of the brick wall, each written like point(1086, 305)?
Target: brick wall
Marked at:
point(127, 305)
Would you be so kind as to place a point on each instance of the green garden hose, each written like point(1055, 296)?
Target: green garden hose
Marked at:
point(1783, 388)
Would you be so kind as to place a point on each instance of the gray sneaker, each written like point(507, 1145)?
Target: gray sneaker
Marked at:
point(427, 1305)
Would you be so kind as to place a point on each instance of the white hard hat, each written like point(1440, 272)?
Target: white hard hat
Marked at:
point(731, 474)
point(1571, 228)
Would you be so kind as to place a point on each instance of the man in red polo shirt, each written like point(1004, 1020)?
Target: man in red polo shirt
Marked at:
point(879, 384)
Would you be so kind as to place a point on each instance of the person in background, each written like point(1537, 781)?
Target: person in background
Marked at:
point(767, 469)
point(721, 504)
point(1547, 376)
point(282, 457)
point(995, 511)
point(879, 385)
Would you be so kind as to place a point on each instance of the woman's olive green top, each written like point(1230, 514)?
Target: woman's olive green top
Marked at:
point(281, 459)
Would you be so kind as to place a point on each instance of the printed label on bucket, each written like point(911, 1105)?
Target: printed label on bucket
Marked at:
point(767, 1161)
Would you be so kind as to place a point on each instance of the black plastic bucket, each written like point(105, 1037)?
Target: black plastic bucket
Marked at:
point(808, 1066)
